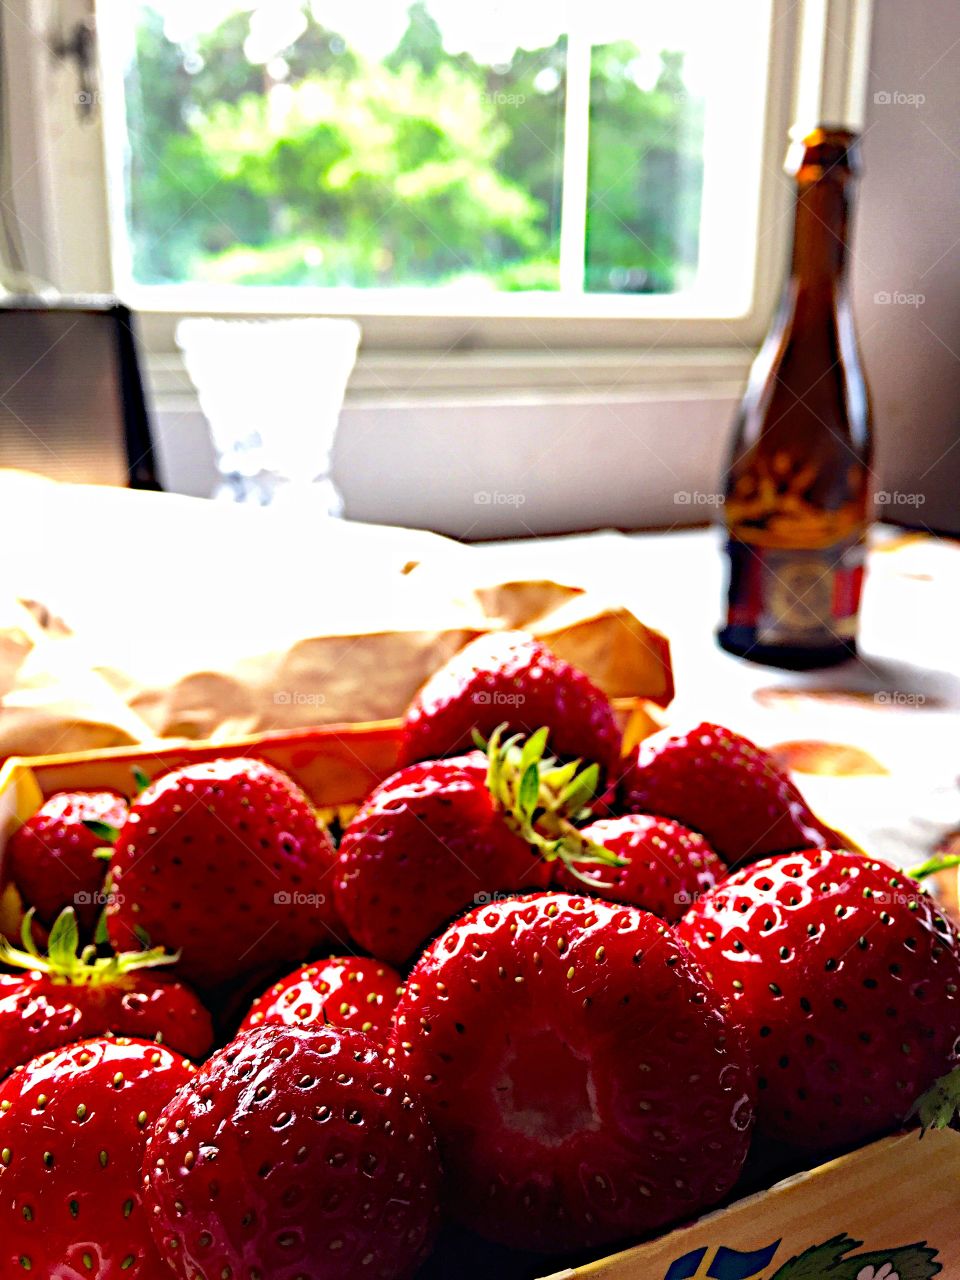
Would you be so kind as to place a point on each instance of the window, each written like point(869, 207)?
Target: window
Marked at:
point(477, 150)
point(523, 175)
point(586, 158)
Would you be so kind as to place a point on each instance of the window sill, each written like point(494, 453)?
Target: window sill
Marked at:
point(406, 378)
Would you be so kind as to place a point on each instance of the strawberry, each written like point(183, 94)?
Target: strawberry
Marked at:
point(847, 980)
point(439, 836)
point(666, 867)
point(508, 676)
point(585, 1081)
point(295, 1152)
point(53, 858)
point(422, 847)
point(725, 787)
point(344, 991)
point(73, 1127)
point(226, 863)
point(65, 997)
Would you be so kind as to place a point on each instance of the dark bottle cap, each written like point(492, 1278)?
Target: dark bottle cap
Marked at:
point(824, 150)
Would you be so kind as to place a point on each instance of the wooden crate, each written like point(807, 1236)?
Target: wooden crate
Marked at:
point(893, 1198)
point(895, 1201)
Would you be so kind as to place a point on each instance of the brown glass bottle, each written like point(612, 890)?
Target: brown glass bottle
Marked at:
point(797, 494)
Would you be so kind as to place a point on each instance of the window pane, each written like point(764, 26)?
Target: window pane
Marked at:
point(645, 172)
point(336, 145)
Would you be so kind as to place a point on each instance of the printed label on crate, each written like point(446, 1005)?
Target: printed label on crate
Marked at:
point(837, 1258)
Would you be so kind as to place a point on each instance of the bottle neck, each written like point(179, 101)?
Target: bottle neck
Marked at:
point(820, 237)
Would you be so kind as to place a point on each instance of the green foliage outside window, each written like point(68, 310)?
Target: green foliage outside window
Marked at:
point(423, 169)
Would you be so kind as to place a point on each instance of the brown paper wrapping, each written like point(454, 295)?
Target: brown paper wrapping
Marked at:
point(50, 701)
point(162, 617)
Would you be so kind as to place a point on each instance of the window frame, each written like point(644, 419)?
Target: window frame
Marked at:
point(818, 58)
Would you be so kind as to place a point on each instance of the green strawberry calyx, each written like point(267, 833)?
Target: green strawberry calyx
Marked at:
point(542, 800)
point(102, 830)
point(65, 961)
point(105, 832)
point(938, 1107)
point(933, 866)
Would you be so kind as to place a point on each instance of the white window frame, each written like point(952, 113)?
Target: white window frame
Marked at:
point(517, 344)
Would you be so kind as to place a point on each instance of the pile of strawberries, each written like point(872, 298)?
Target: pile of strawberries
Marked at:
point(540, 990)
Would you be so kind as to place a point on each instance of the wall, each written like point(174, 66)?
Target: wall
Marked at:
point(496, 469)
point(555, 467)
point(908, 251)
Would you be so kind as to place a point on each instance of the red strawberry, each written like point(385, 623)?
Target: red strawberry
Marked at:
point(73, 1127)
point(424, 846)
point(585, 1081)
point(296, 1153)
point(344, 991)
point(439, 836)
point(226, 863)
point(666, 867)
point(724, 786)
point(848, 982)
point(65, 997)
point(508, 676)
point(52, 858)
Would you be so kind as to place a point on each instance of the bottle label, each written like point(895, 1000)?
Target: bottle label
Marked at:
point(796, 598)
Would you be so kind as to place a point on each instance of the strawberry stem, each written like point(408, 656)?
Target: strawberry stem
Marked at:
point(937, 1107)
point(542, 800)
point(939, 862)
point(66, 963)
